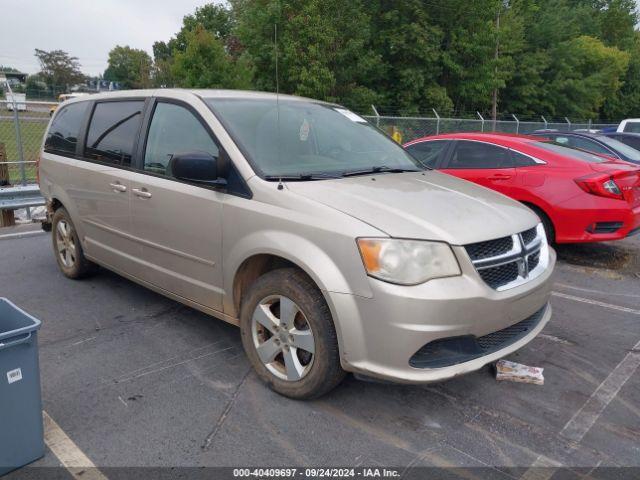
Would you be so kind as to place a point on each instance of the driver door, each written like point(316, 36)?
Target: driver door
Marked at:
point(178, 224)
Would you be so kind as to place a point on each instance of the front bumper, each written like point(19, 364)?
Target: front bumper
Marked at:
point(379, 335)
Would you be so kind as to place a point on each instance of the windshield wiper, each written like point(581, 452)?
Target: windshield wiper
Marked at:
point(378, 169)
point(301, 177)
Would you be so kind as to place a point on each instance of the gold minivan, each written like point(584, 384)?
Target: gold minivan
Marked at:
point(330, 247)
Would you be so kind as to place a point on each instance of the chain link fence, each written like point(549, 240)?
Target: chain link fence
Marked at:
point(406, 129)
point(22, 128)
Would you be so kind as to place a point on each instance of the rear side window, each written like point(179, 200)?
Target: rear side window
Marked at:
point(631, 140)
point(632, 127)
point(62, 136)
point(479, 155)
point(113, 131)
point(589, 145)
point(428, 152)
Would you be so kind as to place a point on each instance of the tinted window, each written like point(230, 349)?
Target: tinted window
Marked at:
point(112, 132)
point(428, 152)
point(589, 145)
point(521, 160)
point(174, 129)
point(479, 155)
point(63, 134)
point(632, 127)
point(631, 140)
point(629, 152)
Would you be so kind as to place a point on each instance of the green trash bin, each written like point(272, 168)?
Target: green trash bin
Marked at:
point(21, 431)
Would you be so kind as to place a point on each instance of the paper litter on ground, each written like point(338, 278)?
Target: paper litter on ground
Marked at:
point(517, 372)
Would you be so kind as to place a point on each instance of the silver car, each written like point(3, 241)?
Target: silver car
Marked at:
point(330, 247)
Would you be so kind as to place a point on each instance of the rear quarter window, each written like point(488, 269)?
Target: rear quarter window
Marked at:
point(632, 127)
point(113, 132)
point(62, 137)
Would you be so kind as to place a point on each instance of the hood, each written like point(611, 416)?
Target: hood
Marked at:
point(429, 205)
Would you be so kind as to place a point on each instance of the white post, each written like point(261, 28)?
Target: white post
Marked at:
point(482, 120)
point(517, 123)
point(546, 124)
point(437, 121)
point(375, 112)
point(568, 123)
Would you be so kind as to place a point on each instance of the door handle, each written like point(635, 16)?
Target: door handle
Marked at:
point(500, 176)
point(118, 187)
point(141, 192)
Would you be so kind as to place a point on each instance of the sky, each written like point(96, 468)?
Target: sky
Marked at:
point(86, 29)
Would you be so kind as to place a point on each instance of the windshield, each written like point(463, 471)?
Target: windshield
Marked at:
point(629, 152)
point(567, 151)
point(300, 138)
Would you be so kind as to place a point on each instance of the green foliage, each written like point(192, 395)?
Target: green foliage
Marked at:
point(129, 66)
point(59, 68)
point(577, 58)
point(204, 63)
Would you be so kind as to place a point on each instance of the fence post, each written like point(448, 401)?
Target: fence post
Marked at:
point(16, 122)
point(482, 120)
point(546, 124)
point(589, 125)
point(437, 121)
point(517, 123)
point(568, 123)
point(377, 115)
point(7, 218)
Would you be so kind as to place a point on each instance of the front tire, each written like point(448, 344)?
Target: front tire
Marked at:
point(67, 248)
point(289, 336)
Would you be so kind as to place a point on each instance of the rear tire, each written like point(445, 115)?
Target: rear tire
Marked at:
point(289, 336)
point(67, 248)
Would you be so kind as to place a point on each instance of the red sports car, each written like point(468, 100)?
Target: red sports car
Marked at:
point(579, 196)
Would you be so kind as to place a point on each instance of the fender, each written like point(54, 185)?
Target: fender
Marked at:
point(302, 252)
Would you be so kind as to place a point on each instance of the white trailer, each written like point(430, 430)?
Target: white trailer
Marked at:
point(17, 99)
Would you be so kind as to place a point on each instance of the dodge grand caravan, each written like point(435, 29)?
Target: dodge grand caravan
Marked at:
point(330, 247)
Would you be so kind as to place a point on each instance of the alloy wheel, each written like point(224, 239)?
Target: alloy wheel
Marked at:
point(65, 244)
point(283, 338)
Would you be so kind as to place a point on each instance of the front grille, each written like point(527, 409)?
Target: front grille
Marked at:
point(529, 236)
point(490, 248)
point(506, 262)
point(501, 275)
point(445, 352)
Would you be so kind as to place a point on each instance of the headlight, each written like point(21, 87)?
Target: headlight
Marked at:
point(407, 262)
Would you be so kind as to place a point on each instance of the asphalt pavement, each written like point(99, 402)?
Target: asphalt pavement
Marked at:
point(135, 379)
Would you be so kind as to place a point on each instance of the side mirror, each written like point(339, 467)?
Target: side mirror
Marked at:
point(196, 167)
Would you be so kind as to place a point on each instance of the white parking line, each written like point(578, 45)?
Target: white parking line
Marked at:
point(70, 456)
point(29, 233)
point(595, 302)
point(582, 421)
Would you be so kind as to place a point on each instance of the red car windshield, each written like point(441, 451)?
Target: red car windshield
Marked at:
point(575, 153)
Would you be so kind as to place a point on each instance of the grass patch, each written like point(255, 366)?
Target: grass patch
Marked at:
point(31, 133)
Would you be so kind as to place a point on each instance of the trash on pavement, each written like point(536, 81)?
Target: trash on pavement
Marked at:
point(517, 372)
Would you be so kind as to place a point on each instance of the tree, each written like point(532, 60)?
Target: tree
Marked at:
point(58, 69)
point(205, 64)
point(322, 47)
point(129, 66)
point(216, 19)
